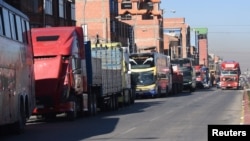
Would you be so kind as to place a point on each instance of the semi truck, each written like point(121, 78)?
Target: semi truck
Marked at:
point(229, 75)
point(188, 71)
point(116, 74)
point(69, 79)
point(177, 79)
point(151, 74)
point(202, 76)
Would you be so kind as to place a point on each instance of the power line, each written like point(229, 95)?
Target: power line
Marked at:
point(223, 32)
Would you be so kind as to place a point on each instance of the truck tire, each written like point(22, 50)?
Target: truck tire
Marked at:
point(174, 89)
point(191, 89)
point(18, 127)
point(72, 115)
point(127, 97)
point(121, 100)
point(92, 105)
point(115, 102)
point(132, 92)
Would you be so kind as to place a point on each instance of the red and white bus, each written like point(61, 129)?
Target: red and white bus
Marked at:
point(17, 97)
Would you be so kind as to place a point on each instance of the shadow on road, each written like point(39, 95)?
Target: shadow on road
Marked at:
point(61, 129)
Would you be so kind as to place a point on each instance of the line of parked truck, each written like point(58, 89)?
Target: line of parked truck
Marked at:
point(80, 78)
point(54, 70)
point(77, 77)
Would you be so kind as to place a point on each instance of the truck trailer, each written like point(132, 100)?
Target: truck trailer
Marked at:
point(116, 75)
point(69, 79)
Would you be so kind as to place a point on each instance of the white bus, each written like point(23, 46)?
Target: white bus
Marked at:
point(17, 98)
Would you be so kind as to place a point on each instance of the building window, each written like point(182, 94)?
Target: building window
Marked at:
point(48, 7)
point(202, 36)
point(147, 17)
point(148, 5)
point(73, 11)
point(126, 4)
point(61, 9)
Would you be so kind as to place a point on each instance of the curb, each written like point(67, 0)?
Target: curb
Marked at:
point(245, 119)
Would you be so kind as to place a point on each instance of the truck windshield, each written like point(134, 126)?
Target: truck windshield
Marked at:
point(143, 78)
point(229, 72)
point(140, 63)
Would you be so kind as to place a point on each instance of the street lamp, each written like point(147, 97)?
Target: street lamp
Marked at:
point(169, 52)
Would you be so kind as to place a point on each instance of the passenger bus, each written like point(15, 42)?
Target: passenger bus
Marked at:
point(17, 99)
point(150, 73)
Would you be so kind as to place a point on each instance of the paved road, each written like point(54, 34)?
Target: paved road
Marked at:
point(183, 117)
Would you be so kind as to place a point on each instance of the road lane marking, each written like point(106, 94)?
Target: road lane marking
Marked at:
point(129, 130)
point(155, 118)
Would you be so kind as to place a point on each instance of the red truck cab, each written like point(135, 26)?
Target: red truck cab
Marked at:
point(229, 76)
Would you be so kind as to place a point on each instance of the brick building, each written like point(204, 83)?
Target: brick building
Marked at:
point(146, 23)
point(98, 17)
point(203, 46)
point(177, 38)
point(47, 13)
point(136, 21)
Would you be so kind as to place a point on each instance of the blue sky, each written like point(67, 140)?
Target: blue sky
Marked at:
point(228, 23)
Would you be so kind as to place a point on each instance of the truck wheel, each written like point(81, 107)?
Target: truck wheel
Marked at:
point(132, 92)
point(18, 127)
point(92, 111)
point(71, 115)
point(121, 100)
point(191, 89)
point(127, 97)
point(174, 89)
point(115, 102)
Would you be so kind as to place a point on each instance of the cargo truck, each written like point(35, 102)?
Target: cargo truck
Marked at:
point(69, 79)
point(202, 76)
point(188, 71)
point(177, 79)
point(229, 75)
point(116, 74)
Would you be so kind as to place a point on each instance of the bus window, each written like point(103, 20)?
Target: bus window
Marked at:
point(1, 21)
point(12, 26)
point(6, 24)
point(19, 29)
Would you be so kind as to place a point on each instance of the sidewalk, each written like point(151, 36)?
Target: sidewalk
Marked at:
point(246, 106)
